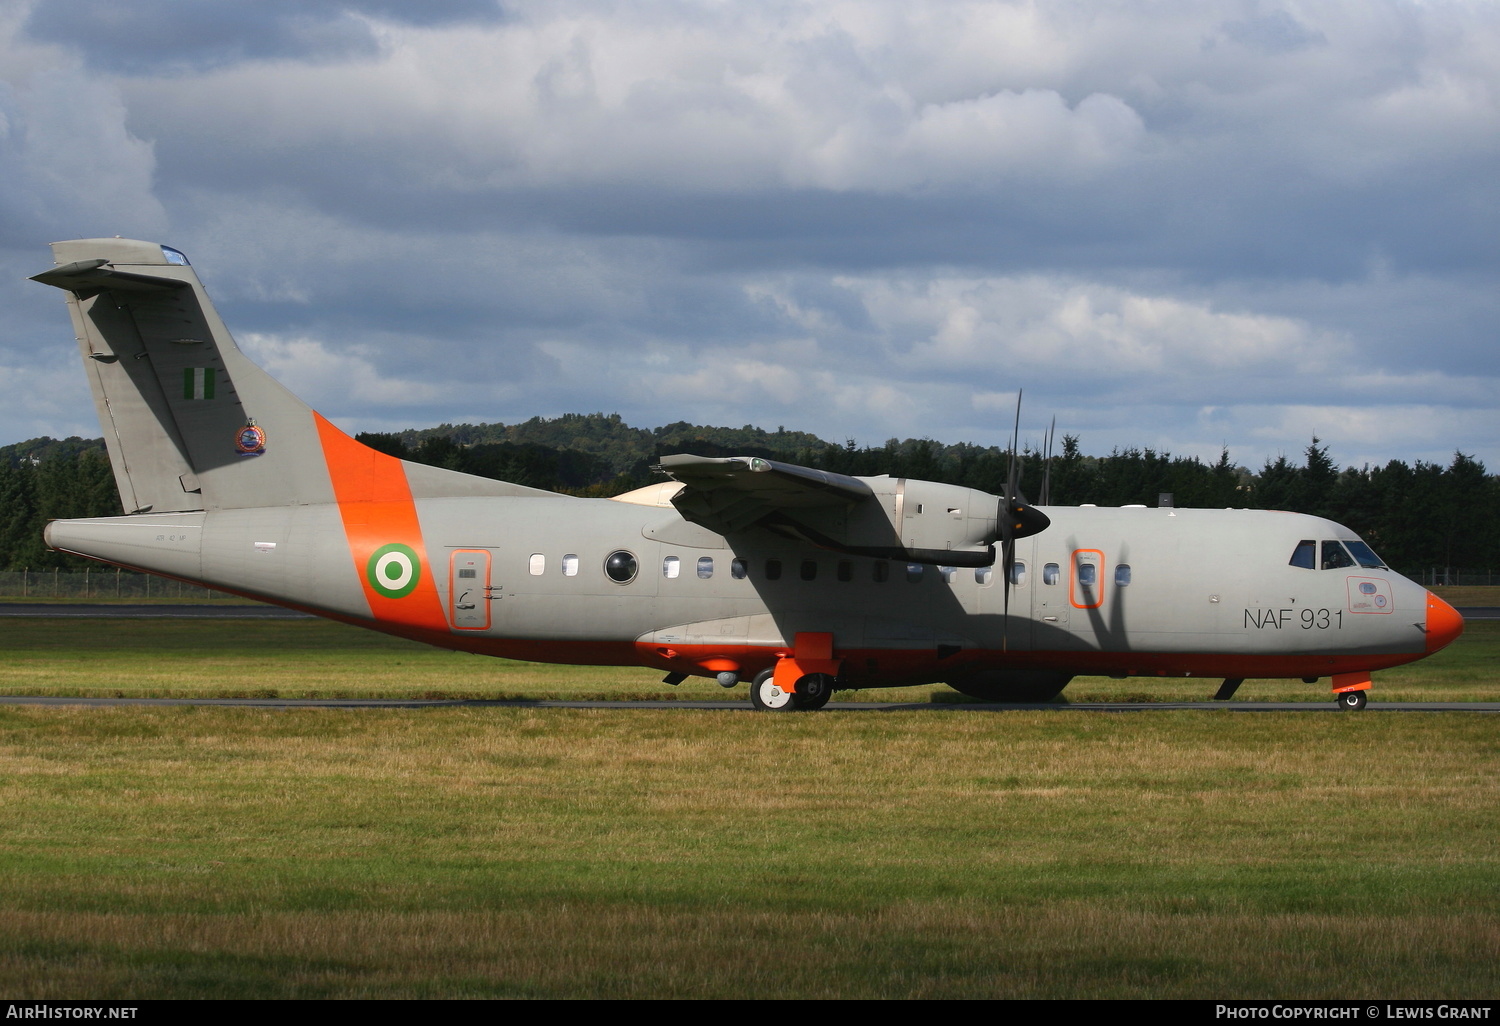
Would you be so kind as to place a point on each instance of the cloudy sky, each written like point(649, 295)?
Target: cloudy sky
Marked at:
point(1180, 225)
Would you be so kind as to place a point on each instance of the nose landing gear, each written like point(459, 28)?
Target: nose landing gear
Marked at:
point(1349, 690)
point(1352, 700)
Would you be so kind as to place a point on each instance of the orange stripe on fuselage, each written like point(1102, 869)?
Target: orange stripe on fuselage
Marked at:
point(377, 508)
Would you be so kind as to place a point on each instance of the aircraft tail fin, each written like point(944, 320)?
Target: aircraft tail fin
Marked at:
point(190, 422)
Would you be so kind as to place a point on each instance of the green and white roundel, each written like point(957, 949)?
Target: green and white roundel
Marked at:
point(394, 570)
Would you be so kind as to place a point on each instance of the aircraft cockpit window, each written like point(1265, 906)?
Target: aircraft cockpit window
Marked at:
point(570, 565)
point(1365, 556)
point(739, 569)
point(809, 570)
point(914, 572)
point(1122, 574)
point(537, 564)
point(1018, 573)
point(620, 567)
point(1335, 557)
point(705, 567)
point(671, 567)
point(1050, 573)
point(773, 569)
point(983, 575)
point(1305, 555)
point(174, 256)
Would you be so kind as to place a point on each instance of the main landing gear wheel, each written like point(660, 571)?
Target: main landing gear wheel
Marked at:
point(766, 696)
point(1352, 700)
point(813, 692)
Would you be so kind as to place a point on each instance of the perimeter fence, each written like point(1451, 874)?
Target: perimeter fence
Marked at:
point(1457, 578)
point(103, 583)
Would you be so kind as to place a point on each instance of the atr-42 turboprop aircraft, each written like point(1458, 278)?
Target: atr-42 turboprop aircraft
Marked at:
point(799, 581)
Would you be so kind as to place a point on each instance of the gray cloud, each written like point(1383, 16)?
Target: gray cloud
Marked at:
point(177, 37)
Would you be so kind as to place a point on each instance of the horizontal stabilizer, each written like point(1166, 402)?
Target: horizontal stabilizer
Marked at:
point(90, 277)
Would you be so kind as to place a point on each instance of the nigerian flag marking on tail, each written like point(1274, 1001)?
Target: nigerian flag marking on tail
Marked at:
point(198, 383)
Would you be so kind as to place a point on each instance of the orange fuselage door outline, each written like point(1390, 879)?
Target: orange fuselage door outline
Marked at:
point(1080, 595)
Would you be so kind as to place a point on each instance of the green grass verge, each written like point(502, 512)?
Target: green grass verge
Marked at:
point(170, 658)
point(204, 852)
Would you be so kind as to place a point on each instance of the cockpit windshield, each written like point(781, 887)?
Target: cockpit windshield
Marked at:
point(1365, 555)
point(1335, 555)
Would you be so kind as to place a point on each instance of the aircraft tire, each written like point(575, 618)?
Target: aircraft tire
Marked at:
point(1353, 701)
point(813, 692)
point(767, 697)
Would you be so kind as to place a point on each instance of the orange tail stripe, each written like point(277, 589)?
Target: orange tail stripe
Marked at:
point(378, 511)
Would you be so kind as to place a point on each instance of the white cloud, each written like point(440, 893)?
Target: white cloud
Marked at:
point(320, 375)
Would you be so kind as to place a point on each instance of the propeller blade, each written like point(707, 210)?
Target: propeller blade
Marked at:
point(1008, 527)
point(1046, 497)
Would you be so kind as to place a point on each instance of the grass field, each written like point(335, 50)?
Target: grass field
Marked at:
point(505, 851)
point(194, 852)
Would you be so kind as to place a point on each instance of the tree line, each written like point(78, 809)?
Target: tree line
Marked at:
point(1418, 516)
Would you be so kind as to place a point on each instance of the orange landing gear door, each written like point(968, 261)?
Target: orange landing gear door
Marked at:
point(469, 590)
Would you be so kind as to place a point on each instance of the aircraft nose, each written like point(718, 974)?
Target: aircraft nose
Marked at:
point(1444, 624)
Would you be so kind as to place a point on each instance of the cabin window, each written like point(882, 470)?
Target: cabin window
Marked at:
point(809, 570)
point(537, 564)
point(705, 567)
point(845, 570)
point(1050, 573)
point(671, 567)
point(773, 569)
point(621, 567)
point(570, 565)
point(948, 573)
point(983, 575)
point(468, 574)
point(1335, 557)
point(1018, 573)
point(1305, 555)
point(880, 571)
point(1122, 574)
point(914, 572)
point(1088, 574)
point(739, 569)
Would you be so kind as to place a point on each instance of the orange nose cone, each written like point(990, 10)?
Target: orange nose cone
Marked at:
point(1443, 623)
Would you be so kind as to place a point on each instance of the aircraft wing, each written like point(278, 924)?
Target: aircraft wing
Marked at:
point(730, 493)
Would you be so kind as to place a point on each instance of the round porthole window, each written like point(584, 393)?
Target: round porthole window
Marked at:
point(621, 567)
